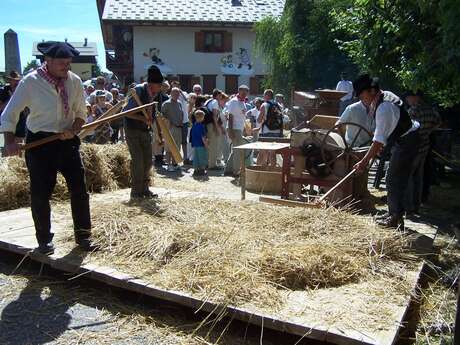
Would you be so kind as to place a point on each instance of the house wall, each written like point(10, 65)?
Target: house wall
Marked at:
point(83, 70)
point(176, 47)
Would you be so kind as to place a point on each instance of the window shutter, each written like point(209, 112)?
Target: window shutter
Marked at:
point(209, 83)
point(228, 42)
point(199, 41)
point(254, 86)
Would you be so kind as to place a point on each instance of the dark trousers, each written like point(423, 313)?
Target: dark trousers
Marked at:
point(403, 154)
point(115, 134)
point(415, 185)
point(43, 163)
point(140, 149)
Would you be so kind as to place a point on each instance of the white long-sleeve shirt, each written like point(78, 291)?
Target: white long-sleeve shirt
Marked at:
point(387, 118)
point(45, 104)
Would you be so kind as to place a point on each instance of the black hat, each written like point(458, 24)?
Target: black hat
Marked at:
point(57, 50)
point(13, 75)
point(365, 82)
point(154, 75)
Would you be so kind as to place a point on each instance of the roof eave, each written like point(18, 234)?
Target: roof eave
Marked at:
point(178, 23)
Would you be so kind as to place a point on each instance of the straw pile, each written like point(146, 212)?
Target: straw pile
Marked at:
point(107, 169)
point(235, 252)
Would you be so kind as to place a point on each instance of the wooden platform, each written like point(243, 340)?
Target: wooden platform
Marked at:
point(303, 314)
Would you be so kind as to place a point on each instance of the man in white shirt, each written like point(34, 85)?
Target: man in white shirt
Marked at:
point(393, 126)
point(56, 101)
point(345, 85)
point(237, 110)
point(357, 113)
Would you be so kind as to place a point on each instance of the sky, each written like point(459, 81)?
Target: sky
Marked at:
point(37, 20)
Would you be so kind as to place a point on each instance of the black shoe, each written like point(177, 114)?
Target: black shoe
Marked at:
point(215, 168)
point(393, 222)
point(46, 248)
point(149, 195)
point(87, 246)
point(136, 196)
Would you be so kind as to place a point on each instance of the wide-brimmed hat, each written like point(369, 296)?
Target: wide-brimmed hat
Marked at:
point(13, 75)
point(154, 75)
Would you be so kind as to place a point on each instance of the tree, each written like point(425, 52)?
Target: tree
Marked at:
point(413, 44)
point(31, 65)
point(300, 49)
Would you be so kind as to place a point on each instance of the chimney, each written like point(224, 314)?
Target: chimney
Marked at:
point(86, 42)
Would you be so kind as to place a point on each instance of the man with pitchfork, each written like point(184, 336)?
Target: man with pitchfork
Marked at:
point(56, 101)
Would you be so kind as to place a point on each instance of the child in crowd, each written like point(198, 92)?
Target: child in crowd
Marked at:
point(199, 142)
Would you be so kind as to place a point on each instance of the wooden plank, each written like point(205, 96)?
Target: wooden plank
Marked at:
point(323, 121)
point(290, 203)
point(262, 146)
point(169, 140)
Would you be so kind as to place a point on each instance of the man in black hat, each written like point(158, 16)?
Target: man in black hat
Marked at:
point(55, 98)
point(393, 126)
point(139, 135)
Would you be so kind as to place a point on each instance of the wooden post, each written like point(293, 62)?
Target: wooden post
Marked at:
point(285, 173)
point(243, 175)
point(299, 164)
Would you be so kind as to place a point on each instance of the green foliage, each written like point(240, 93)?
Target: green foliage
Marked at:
point(300, 49)
point(412, 44)
point(31, 65)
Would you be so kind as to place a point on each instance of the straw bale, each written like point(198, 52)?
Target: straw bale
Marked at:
point(235, 252)
point(106, 168)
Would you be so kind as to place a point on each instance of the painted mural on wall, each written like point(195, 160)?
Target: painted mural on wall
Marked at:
point(154, 56)
point(237, 63)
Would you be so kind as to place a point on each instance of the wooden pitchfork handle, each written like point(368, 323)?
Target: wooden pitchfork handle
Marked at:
point(88, 126)
point(341, 182)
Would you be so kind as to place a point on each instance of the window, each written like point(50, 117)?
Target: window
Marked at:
point(231, 84)
point(209, 83)
point(213, 42)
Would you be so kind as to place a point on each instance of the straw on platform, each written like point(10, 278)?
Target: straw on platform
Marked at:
point(235, 252)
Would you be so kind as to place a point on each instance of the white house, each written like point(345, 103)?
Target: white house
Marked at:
point(210, 42)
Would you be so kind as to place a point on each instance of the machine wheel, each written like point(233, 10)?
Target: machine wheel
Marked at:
point(331, 153)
